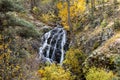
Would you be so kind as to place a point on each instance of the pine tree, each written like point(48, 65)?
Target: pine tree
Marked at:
point(9, 63)
point(7, 6)
point(7, 17)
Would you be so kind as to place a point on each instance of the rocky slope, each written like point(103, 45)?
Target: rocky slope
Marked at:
point(101, 37)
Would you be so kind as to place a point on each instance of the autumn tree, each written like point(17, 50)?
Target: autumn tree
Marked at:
point(92, 10)
point(69, 12)
point(77, 7)
point(55, 72)
point(73, 61)
point(70, 23)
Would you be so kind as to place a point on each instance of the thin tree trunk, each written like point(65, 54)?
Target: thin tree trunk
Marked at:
point(114, 12)
point(34, 3)
point(92, 10)
point(87, 5)
point(115, 1)
point(70, 24)
point(103, 4)
point(69, 21)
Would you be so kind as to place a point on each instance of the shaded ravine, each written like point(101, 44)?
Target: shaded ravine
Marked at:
point(53, 45)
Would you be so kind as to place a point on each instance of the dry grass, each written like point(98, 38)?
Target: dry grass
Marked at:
point(112, 39)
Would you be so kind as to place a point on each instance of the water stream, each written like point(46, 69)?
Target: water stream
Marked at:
point(53, 45)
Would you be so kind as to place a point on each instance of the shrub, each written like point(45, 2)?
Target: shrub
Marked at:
point(47, 6)
point(16, 21)
point(117, 62)
point(100, 61)
point(36, 10)
point(98, 74)
point(109, 11)
point(48, 17)
point(117, 24)
point(73, 61)
point(54, 72)
point(28, 32)
point(11, 5)
point(9, 63)
point(104, 23)
point(46, 11)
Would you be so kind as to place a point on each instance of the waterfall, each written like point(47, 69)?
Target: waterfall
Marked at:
point(53, 45)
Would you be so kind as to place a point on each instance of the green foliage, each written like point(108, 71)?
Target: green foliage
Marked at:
point(109, 11)
point(104, 23)
point(46, 11)
point(9, 64)
point(96, 45)
point(47, 6)
point(55, 72)
point(28, 32)
point(10, 5)
point(73, 61)
point(100, 61)
point(28, 29)
point(9, 17)
point(16, 21)
point(117, 24)
point(98, 74)
point(117, 62)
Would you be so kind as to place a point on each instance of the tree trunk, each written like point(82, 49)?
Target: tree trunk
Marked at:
point(93, 4)
point(70, 24)
point(103, 4)
point(115, 1)
point(87, 5)
point(34, 3)
point(92, 10)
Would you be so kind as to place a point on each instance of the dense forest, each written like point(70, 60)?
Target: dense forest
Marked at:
point(59, 39)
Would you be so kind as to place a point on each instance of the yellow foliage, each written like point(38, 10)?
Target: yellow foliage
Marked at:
point(45, 1)
point(48, 17)
point(55, 72)
point(7, 67)
point(98, 74)
point(77, 7)
point(73, 61)
point(35, 10)
point(45, 17)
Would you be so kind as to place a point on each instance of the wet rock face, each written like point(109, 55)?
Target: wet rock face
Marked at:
point(95, 41)
point(53, 45)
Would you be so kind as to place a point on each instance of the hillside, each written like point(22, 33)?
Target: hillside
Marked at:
point(59, 40)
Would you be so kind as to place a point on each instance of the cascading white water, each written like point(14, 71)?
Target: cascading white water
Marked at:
point(53, 45)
